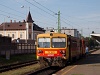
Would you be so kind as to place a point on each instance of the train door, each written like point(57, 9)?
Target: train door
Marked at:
point(69, 48)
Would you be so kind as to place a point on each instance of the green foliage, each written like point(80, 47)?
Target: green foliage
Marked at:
point(91, 42)
point(17, 59)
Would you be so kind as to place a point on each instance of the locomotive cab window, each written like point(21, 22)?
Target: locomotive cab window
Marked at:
point(44, 42)
point(58, 42)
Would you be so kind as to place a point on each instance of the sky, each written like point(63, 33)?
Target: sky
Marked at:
point(83, 15)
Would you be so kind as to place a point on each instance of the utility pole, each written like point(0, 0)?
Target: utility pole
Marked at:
point(59, 27)
point(82, 32)
point(4, 28)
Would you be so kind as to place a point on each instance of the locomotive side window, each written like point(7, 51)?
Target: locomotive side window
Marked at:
point(44, 42)
point(58, 42)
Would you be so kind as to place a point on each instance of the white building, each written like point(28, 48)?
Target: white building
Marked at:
point(26, 30)
point(65, 30)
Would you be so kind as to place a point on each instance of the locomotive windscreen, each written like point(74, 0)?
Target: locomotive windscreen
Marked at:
point(44, 42)
point(58, 42)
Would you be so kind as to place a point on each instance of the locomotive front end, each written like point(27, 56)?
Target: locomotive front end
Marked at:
point(52, 50)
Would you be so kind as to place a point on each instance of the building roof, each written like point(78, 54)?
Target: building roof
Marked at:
point(13, 26)
point(29, 18)
point(96, 36)
point(37, 28)
point(19, 26)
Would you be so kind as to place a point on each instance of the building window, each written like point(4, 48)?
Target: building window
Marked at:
point(35, 35)
point(8, 35)
point(29, 27)
point(29, 36)
point(20, 35)
point(12, 35)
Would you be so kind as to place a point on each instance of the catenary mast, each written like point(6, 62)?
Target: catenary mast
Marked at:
point(59, 27)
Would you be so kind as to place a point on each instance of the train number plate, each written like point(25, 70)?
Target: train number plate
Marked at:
point(50, 52)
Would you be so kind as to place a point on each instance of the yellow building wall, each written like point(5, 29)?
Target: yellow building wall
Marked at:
point(15, 32)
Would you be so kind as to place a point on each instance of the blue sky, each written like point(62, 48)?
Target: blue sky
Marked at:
point(80, 14)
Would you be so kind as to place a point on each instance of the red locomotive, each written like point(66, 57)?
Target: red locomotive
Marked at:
point(58, 49)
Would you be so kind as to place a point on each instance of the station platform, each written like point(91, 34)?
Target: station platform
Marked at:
point(96, 36)
point(86, 66)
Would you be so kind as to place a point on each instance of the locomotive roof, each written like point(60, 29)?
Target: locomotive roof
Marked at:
point(52, 34)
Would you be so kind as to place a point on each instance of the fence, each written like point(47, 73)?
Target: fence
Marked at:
point(17, 48)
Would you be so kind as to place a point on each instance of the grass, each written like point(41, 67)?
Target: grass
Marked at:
point(22, 71)
point(16, 59)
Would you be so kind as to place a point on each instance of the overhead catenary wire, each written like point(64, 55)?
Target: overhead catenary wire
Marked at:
point(38, 18)
point(44, 6)
point(11, 14)
point(40, 9)
point(47, 12)
point(35, 6)
point(12, 9)
point(64, 21)
point(69, 21)
point(16, 15)
point(55, 13)
point(62, 17)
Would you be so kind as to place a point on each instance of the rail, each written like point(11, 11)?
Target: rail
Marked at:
point(15, 66)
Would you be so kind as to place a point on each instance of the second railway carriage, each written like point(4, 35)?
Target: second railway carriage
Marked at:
point(74, 48)
point(57, 48)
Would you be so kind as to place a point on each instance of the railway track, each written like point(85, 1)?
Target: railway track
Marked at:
point(43, 71)
point(51, 70)
point(46, 71)
point(15, 66)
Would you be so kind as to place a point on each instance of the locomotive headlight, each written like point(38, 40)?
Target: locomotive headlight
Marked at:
point(40, 51)
point(62, 51)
